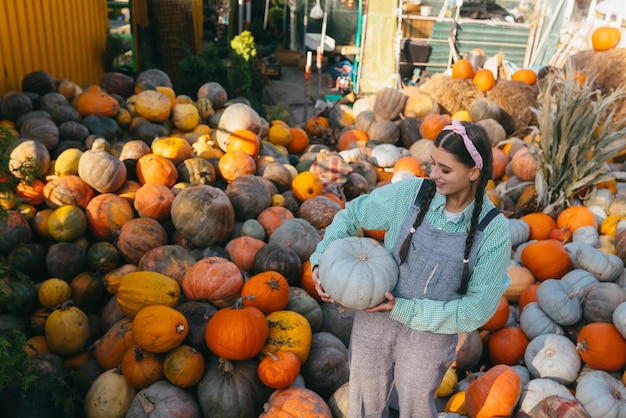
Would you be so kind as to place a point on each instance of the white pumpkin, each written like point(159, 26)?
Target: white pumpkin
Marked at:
point(604, 266)
point(580, 280)
point(110, 395)
point(587, 235)
point(602, 395)
point(619, 318)
point(534, 322)
point(539, 389)
point(385, 155)
point(553, 356)
point(356, 272)
point(561, 302)
point(520, 231)
point(401, 175)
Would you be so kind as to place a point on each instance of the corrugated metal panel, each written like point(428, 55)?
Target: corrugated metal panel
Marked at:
point(492, 38)
point(64, 37)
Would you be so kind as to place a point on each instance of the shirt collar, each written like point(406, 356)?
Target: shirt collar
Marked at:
point(439, 202)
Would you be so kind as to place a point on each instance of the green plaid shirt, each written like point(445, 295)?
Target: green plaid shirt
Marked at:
point(386, 208)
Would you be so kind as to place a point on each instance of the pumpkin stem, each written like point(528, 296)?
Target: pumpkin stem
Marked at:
point(238, 303)
point(273, 283)
point(226, 365)
point(180, 328)
point(146, 405)
point(138, 354)
point(65, 305)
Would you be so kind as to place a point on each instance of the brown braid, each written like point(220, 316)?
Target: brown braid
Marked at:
point(428, 197)
point(471, 232)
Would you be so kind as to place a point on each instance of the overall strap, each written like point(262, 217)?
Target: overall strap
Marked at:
point(422, 192)
point(488, 218)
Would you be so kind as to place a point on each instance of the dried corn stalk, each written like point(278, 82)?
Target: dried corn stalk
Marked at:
point(576, 138)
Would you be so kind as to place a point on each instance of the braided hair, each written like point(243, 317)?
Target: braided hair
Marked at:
point(453, 143)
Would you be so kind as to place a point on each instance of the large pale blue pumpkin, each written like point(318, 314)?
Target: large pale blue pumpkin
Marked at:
point(356, 272)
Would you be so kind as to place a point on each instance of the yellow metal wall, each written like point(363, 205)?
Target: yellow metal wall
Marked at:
point(64, 37)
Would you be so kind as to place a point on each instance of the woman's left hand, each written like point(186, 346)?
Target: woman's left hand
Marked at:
point(385, 305)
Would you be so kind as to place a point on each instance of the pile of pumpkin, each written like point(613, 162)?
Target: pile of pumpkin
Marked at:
point(167, 238)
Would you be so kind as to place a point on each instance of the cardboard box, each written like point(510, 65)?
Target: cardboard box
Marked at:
point(288, 57)
point(302, 63)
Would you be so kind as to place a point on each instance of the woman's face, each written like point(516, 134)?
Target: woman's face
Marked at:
point(449, 174)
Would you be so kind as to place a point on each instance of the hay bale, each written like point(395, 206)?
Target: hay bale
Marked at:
point(451, 94)
point(516, 99)
point(605, 69)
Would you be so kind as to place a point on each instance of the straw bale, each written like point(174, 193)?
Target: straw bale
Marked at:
point(516, 101)
point(605, 69)
point(451, 94)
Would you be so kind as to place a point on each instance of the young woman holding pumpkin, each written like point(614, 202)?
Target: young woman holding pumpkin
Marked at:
point(452, 257)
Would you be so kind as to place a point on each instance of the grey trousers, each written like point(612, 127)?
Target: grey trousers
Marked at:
point(385, 353)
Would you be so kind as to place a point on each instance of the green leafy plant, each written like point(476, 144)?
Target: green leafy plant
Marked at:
point(575, 137)
point(13, 368)
point(195, 70)
point(244, 74)
point(276, 112)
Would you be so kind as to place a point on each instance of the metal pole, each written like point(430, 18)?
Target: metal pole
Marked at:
point(307, 86)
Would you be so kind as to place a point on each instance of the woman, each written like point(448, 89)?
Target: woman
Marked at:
point(453, 248)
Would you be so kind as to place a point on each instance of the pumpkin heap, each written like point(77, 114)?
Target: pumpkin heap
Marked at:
point(155, 248)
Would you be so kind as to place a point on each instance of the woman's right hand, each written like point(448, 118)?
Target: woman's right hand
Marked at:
point(318, 287)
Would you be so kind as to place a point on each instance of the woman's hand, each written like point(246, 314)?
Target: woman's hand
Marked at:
point(318, 287)
point(385, 305)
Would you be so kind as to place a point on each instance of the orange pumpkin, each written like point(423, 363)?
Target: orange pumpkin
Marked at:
point(500, 316)
point(242, 250)
point(541, 224)
point(411, 164)
point(507, 345)
point(154, 201)
point(462, 69)
point(484, 80)
point(296, 401)
point(244, 140)
point(602, 347)
point(141, 368)
point(175, 148)
point(279, 370)
point(152, 168)
point(500, 161)
point(272, 217)
point(268, 291)
point(574, 217)
point(317, 125)
point(237, 332)
point(525, 76)
point(523, 165)
point(495, 393)
point(67, 190)
point(94, 101)
point(351, 138)
point(109, 349)
point(433, 124)
point(306, 281)
point(605, 38)
point(234, 164)
point(159, 328)
point(184, 366)
point(307, 185)
point(299, 141)
point(528, 295)
point(106, 214)
point(30, 193)
point(215, 279)
point(546, 259)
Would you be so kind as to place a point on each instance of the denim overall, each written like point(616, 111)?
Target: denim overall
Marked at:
point(388, 356)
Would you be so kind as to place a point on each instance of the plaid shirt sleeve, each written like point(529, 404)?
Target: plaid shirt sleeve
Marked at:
point(487, 283)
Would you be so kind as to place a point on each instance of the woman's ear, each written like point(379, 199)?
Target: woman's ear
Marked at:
point(474, 174)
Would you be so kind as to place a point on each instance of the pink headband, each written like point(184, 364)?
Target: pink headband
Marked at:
point(459, 129)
